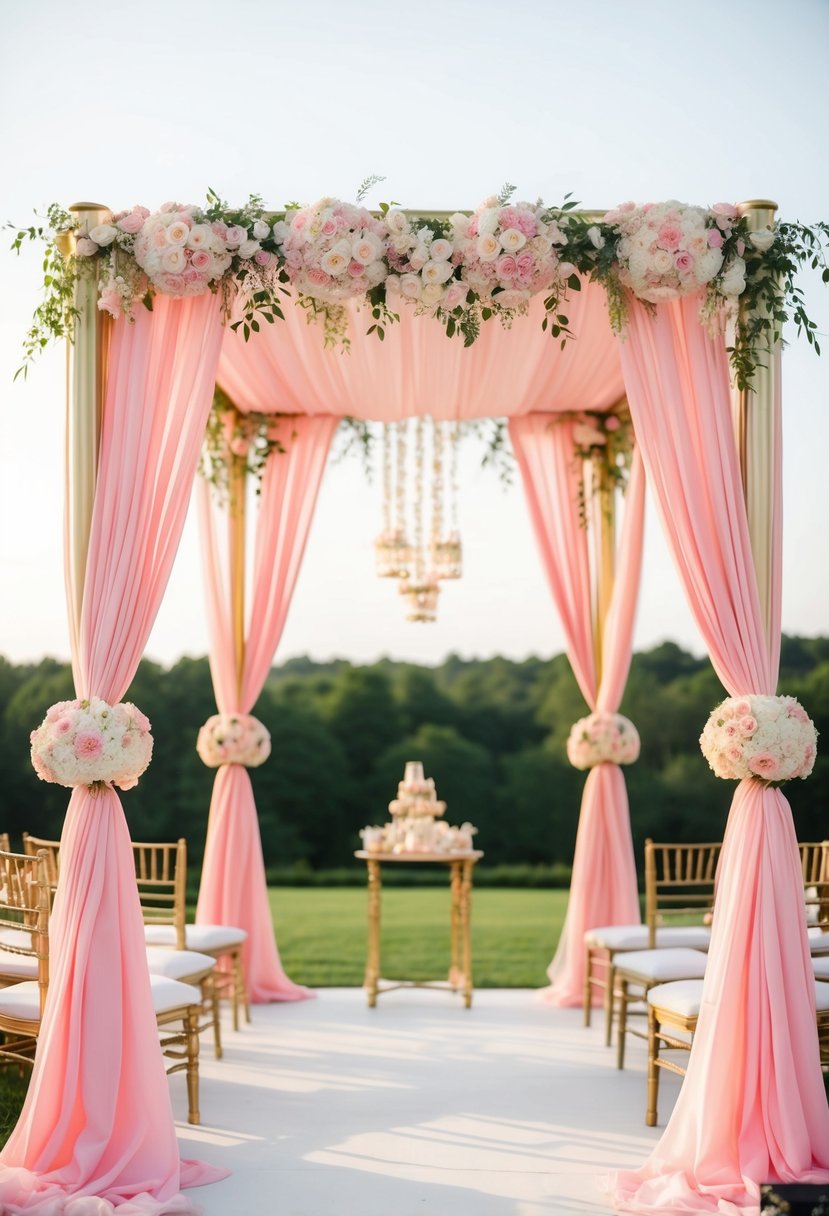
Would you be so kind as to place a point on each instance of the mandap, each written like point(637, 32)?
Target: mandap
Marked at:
point(652, 321)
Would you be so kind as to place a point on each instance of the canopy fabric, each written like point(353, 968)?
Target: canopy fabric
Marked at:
point(418, 370)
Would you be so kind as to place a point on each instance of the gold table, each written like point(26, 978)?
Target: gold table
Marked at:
point(460, 867)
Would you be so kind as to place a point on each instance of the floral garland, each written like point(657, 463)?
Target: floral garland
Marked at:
point(463, 271)
point(233, 739)
point(85, 742)
point(602, 738)
point(770, 739)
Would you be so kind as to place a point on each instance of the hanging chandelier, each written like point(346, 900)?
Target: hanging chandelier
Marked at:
point(420, 558)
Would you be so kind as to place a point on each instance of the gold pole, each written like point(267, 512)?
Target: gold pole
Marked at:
point(603, 529)
point(757, 427)
point(85, 387)
point(237, 507)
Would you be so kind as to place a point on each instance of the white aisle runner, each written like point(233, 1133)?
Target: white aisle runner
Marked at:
point(328, 1108)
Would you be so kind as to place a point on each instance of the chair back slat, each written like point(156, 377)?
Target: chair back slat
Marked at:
point(161, 874)
point(25, 899)
point(814, 864)
point(679, 884)
point(32, 845)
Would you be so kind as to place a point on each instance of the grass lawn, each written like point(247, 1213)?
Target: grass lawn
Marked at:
point(322, 934)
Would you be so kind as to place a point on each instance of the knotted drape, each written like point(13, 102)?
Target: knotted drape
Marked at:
point(752, 1107)
point(97, 1118)
point(233, 885)
point(603, 889)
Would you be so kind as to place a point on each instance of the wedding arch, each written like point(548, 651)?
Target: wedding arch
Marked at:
point(162, 308)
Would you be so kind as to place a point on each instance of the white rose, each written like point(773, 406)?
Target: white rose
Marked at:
point(733, 282)
point(595, 237)
point(512, 240)
point(174, 260)
point(199, 237)
point(762, 240)
point(436, 272)
point(280, 230)
point(557, 237)
point(708, 265)
point(178, 232)
point(487, 247)
point(335, 261)
point(103, 234)
point(441, 249)
point(376, 272)
point(411, 286)
point(662, 261)
point(541, 245)
point(488, 221)
point(402, 243)
point(460, 224)
point(397, 222)
point(261, 230)
point(248, 248)
point(432, 294)
point(419, 257)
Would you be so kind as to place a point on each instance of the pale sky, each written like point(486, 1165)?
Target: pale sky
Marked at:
point(611, 101)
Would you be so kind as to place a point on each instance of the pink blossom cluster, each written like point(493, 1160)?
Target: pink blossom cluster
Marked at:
point(667, 250)
point(602, 738)
point(509, 253)
point(333, 251)
point(182, 256)
point(233, 739)
point(81, 742)
point(422, 265)
point(771, 739)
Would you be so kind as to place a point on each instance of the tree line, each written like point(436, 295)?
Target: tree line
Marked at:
point(491, 732)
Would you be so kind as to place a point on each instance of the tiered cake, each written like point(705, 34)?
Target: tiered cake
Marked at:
point(417, 825)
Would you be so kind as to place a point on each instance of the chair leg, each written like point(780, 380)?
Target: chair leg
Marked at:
point(622, 1023)
point(210, 994)
point(653, 1069)
point(588, 985)
point(608, 1001)
point(240, 984)
point(191, 1030)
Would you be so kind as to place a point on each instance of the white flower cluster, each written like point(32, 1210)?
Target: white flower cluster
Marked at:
point(82, 742)
point(233, 739)
point(418, 836)
point(509, 253)
point(422, 264)
point(333, 251)
point(771, 739)
point(602, 738)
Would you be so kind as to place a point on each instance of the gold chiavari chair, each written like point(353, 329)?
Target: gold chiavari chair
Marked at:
point(186, 966)
point(25, 904)
point(161, 872)
point(659, 930)
point(814, 863)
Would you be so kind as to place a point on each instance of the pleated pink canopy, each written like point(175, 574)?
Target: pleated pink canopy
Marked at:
point(418, 370)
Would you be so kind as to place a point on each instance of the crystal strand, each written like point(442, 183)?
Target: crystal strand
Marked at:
point(438, 490)
point(418, 490)
point(386, 481)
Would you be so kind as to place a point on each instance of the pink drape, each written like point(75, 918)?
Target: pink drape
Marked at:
point(97, 1119)
point(752, 1107)
point(233, 886)
point(603, 889)
point(418, 370)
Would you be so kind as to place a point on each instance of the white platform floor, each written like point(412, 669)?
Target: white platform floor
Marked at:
point(328, 1108)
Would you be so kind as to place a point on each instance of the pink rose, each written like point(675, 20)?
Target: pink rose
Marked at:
point(670, 234)
point(506, 267)
point(329, 226)
point(318, 277)
point(235, 235)
point(454, 295)
point(715, 238)
point(525, 265)
point(126, 740)
point(611, 423)
point(89, 744)
point(732, 730)
point(355, 269)
point(158, 240)
point(63, 726)
point(171, 284)
point(796, 711)
point(293, 259)
point(725, 210)
point(748, 725)
point(684, 263)
point(132, 222)
point(263, 258)
point(191, 276)
point(764, 764)
point(219, 229)
point(110, 301)
point(740, 709)
point(200, 259)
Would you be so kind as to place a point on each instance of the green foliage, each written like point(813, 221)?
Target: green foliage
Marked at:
point(491, 732)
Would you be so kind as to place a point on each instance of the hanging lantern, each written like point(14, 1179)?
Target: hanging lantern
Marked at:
point(448, 557)
point(393, 554)
point(421, 599)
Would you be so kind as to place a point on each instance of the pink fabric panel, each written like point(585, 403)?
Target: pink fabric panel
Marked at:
point(752, 1107)
point(418, 370)
point(233, 888)
point(603, 887)
point(97, 1119)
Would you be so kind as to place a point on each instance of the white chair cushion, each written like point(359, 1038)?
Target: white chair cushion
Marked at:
point(821, 996)
point(635, 937)
point(821, 968)
point(818, 940)
point(662, 965)
point(175, 964)
point(16, 937)
point(22, 966)
point(682, 997)
point(169, 994)
point(21, 1001)
point(197, 937)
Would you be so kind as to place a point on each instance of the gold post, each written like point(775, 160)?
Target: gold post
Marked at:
point(85, 387)
point(237, 507)
point(757, 417)
point(603, 528)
